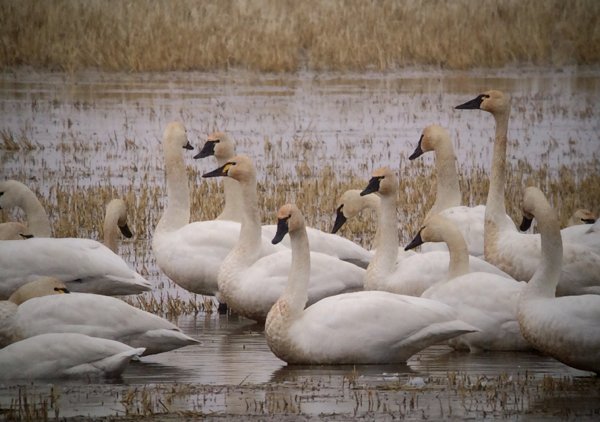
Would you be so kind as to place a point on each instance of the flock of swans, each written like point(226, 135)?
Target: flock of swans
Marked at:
point(478, 283)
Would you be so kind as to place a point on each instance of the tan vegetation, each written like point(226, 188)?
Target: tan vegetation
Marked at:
point(287, 35)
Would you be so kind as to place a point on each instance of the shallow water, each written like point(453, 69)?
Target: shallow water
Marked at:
point(104, 129)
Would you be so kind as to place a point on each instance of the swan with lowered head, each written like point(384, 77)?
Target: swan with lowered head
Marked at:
point(486, 301)
point(222, 147)
point(190, 254)
point(16, 194)
point(58, 355)
point(39, 311)
point(566, 328)
point(582, 216)
point(409, 275)
point(366, 327)
point(519, 254)
point(249, 283)
point(115, 220)
point(14, 230)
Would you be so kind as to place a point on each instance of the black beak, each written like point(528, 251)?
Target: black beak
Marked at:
point(417, 241)
point(207, 150)
point(221, 171)
point(372, 187)
point(188, 146)
point(282, 230)
point(588, 220)
point(525, 224)
point(474, 104)
point(418, 150)
point(125, 231)
point(340, 219)
point(26, 236)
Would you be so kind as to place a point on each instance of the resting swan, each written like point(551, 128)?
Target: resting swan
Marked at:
point(89, 314)
point(16, 194)
point(581, 216)
point(58, 355)
point(566, 328)
point(486, 301)
point(222, 147)
point(517, 253)
point(190, 254)
point(353, 328)
point(14, 230)
point(250, 284)
point(409, 275)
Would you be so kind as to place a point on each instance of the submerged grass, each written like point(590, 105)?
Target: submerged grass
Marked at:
point(286, 35)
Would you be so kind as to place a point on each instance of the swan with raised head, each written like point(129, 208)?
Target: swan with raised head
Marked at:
point(353, 328)
point(115, 221)
point(409, 275)
point(191, 254)
point(519, 254)
point(566, 328)
point(58, 355)
point(250, 284)
point(486, 301)
point(38, 311)
point(222, 147)
point(15, 194)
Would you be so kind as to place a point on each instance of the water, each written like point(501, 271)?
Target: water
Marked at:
point(96, 129)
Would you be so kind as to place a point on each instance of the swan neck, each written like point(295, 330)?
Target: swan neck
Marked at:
point(386, 254)
point(459, 253)
point(177, 210)
point(495, 207)
point(233, 201)
point(248, 246)
point(448, 190)
point(296, 292)
point(37, 219)
point(111, 231)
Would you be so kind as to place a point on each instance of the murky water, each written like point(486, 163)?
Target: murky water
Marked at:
point(97, 129)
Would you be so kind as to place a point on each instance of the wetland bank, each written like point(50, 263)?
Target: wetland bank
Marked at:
point(317, 121)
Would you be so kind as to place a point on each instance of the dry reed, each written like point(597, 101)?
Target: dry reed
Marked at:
point(286, 35)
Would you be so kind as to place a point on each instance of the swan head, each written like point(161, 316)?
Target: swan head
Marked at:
point(42, 286)
point(289, 219)
point(118, 207)
point(239, 167)
point(493, 101)
point(12, 194)
point(218, 144)
point(176, 134)
point(434, 230)
point(582, 216)
point(432, 136)
point(383, 182)
point(534, 204)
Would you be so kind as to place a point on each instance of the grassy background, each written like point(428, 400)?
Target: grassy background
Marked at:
point(288, 35)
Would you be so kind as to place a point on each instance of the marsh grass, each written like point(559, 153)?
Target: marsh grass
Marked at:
point(286, 35)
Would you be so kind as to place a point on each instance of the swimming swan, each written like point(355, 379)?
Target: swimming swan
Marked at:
point(519, 254)
point(57, 355)
point(352, 328)
point(250, 284)
point(115, 220)
point(190, 254)
point(486, 301)
point(16, 194)
point(409, 275)
point(566, 328)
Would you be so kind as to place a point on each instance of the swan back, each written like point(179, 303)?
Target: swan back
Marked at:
point(16, 194)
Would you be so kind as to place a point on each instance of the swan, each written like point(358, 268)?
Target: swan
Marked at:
point(222, 147)
point(566, 328)
point(16, 194)
point(409, 275)
point(190, 254)
point(469, 220)
point(84, 265)
point(367, 327)
point(587, 233)
point(89, 314)
point(250, 284)
point(14, 230)
point(115, 219)
point(519, 254)
point(57, 355)
point(486, 301)
point(582, 216)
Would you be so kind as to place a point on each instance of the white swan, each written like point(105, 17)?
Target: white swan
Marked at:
point(14, 230)
point(352, 328)
point(16, 194)
point(250, 284)
point(115, 220)
point(486, 301)
point(582, 216)
point(566, 328)
point(190, 254)
point(222, 147)
point(517, 253)
point(93, 315)
point(409, 275)
point(57, 355)
point(84, 265)
point(587, 233)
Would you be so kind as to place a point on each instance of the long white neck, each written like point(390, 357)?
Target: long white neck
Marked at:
point(37, 219)
point(177, 210)
point(373, 202)
point(448, 191)
point(111, 230)
point(232, 209)
point(296, 291)
point(459, 252)
point(384, 261)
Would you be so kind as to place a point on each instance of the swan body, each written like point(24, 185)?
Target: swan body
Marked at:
point(486, 301)
point(57, 355)
point(567, 328)
point(191, 254)
point(84, 265)
point(587, 235)
point(14, 230)
point(16, 194)
point(250, 284)
point(367, 327)
point(409, 275)
point(115, 221)
point(519, 254)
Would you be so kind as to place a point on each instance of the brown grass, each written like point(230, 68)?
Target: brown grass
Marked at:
point(286, 35)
